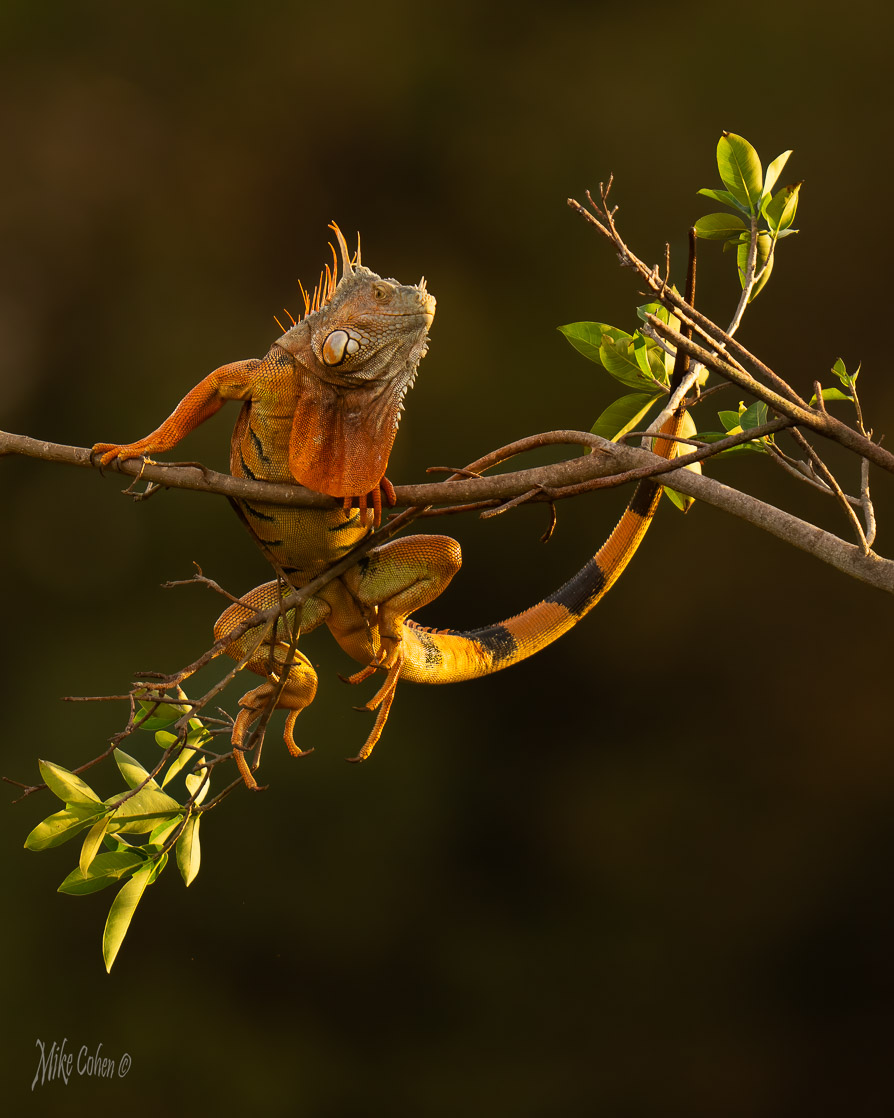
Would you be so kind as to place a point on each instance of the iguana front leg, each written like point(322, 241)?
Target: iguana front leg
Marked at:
point(229, 382)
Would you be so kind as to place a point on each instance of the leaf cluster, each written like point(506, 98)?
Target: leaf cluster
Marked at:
point(759, 217)
point(635, 360)
point(146, 807)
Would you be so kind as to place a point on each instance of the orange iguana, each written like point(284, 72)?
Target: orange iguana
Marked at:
point(322, 408)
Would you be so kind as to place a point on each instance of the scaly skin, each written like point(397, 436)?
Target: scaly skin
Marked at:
point(322, 409)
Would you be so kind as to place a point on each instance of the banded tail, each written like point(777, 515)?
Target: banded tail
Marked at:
point(450, 657)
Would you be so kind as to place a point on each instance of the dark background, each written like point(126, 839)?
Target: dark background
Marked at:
point(645, 873)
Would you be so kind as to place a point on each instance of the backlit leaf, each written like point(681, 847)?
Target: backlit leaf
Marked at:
point(586, 337)
point(719, 227)
point(121, 914)
point(725, 198)
point(64, 825)
point(624, 415)
point(133, 772)
point(188, 850)
point(105, 869)
point(64, 784)
point(774, 171)
point(740, 169)
point(92, 843)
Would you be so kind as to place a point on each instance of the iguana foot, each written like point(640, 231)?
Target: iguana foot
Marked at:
point(382, 701)
point(297, 694)
point(110, 451)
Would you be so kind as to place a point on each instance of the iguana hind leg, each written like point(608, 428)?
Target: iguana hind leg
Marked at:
point(386, 586)
point(291, 682)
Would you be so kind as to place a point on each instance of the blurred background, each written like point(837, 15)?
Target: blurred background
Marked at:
point(645, 873)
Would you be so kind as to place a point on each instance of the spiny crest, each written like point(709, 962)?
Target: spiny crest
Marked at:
point(329, 279)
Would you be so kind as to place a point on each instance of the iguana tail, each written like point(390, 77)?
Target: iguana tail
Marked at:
point(433, 656)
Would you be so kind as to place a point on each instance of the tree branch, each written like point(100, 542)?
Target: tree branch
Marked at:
point(611, 462)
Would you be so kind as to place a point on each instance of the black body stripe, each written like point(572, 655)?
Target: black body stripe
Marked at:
point(579, 591)
point(258, 445)
point(347, 523)
point(497, 640)
point(268, 543)
point(246, 467)
point(257, 513)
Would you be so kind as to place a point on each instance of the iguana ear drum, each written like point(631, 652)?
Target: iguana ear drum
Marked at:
point(334, 347)
point(337, 345)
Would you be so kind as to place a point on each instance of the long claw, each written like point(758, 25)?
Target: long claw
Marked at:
point(290, 740)
point(383, 699)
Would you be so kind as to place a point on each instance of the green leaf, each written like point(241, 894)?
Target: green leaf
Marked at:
point(840, 371)
point(659, 311)
point(624, 415)
point(618, 359)
point(832, 394)
point(740, 168)
point(725, 198)
point(64, 784)
point(586, 337)
point(121, 914)
point(742, 448)
point(719, 227)
point(160, 834)
point(730, 420)
point(197, 780)
point(185, 756)
point(92, 843)
point(198, 737)
point(63, 826)
point(142, 812)
point(781, 209)
point(754, 416)
point(682, 502)
point(155, 716)
point(105, 869)
point(133, 772)
point(649, 356)
point(774, 171)
point(188, 851)
point(157, 867)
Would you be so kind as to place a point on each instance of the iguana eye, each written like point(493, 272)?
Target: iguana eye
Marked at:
point(382, 292)
point(336, 345)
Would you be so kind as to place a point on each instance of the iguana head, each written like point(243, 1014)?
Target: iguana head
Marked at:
point(356, 349)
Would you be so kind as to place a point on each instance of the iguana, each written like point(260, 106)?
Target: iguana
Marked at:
point(322, 408)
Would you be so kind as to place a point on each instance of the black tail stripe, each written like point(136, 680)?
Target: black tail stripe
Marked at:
point(643, 497)
point(577, 594)
point(497, 640)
